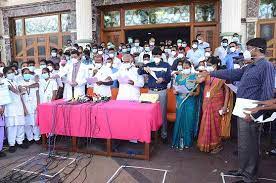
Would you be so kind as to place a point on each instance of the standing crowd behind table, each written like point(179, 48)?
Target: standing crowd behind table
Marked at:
point(204, 103)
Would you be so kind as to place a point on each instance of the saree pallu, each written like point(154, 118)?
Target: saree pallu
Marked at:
point(226, 119)
point(209, 137)
point(184, 127)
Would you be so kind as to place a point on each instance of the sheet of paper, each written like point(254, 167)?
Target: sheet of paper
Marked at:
point(232, 87)
point(270, 119)
point(92, 80)
point(181, 89)
point(241, 105)
point(123, 79)
point(152, 73)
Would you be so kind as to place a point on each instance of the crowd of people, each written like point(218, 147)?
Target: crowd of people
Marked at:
point(197, 74)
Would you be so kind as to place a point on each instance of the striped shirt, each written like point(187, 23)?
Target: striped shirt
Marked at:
point(256, 80)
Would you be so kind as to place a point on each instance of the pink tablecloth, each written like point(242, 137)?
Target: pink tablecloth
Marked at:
point(123, 120)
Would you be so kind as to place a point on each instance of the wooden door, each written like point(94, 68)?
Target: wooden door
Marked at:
point(115, 37)
point(209, 33)
point(267, 29)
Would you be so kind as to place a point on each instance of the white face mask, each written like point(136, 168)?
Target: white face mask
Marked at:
point(152, 43)
point(167, 50)
point(98, 65)
point(53, 54)
point(130, 41)
point(147, 49)
point(31, 68)
point(146, 61)
point(186, 71)
point(136, 44)
point(109, 65)
point(10, 76)
point(237, 66)
point(74, 60)
point(232, 49)
point(207, 54)
point(200, 41)
point(179, 44)
point(100, 52)
point(194, 46)
point(42, 66)
point(111, 55)
point(184, 45)
point(235, 39)
point(50, 68)
point(210, 69)
point(179, 67)
point(173, 53)
point(224, 44)
point(247, 55)
point(94, 50)
point(180, 55)
point(157, 60)
point(201, 68)
point(126, 65)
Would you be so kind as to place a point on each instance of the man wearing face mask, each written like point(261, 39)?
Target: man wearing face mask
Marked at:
point(201, 43)
point(146, 51)
point(185, 46)
point(256, 83)
point(194, 54)
point(162, 71)
point(152, 43)
point(130, 41)
point(94, 51)
point(172, 56)
point(101, 72)
point(76, 75)
point(179, 43)
point(54, 56)
point(229, 58)
point(129, 80)
point(221, 51)
point(116, 61)
point(136, 49)
point(86, 57)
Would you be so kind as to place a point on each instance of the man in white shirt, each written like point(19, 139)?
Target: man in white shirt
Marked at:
point(129, 79)
point(102, 87)
point(76, 74)
point(136, 49)
point(201, 43)
point(221, 51)
point(116, 61)
point(146, 51)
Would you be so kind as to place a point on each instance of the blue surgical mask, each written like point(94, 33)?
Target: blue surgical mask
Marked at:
point(43, 66)
point(27, 77)
point(45, 76)
point(124, 50)
point(31, 68)
point(147, 49)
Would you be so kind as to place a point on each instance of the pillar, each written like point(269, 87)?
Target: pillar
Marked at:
point(230, 17)
point(84, 21)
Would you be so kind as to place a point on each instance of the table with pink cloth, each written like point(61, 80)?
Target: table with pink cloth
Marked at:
point(124, 120)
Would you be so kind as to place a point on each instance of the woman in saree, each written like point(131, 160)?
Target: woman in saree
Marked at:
point(183, 133)
point(214, 110)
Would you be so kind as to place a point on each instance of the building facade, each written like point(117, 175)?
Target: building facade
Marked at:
point(30, 28)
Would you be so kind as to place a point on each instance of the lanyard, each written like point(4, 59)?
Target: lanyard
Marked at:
point(47, 86)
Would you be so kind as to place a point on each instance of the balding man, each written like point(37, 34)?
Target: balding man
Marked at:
point(129, 80)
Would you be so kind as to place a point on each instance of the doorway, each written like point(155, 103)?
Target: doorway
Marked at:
point(160, 34)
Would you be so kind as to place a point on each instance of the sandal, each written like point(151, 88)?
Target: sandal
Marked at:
point(217, 150)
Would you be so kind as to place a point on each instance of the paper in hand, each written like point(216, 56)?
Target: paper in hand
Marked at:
point(152, 73)
point(181, 89)
point(123, 79)
point(92, 80)
point(232, 87)
point(270, 119)
point(241, 106)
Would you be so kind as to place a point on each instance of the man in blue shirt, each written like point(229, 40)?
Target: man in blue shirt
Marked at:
point(195, 53)
point(162, 71)
point(229, 58)
point(256, 83)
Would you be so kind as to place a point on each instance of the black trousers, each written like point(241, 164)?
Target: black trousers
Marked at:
point(248, 149)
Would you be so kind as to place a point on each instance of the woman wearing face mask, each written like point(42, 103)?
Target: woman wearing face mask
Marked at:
point(47, 87)
point(31, 98)
point(185, 124)
point(214, 110)
point(14, 121)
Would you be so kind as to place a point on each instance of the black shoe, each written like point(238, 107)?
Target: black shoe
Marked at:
point(2, 154)
point(234, 173)
point(12, 149)
point(23, 146)
point(38, 142)
point(165, 140)
point(29, 143)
